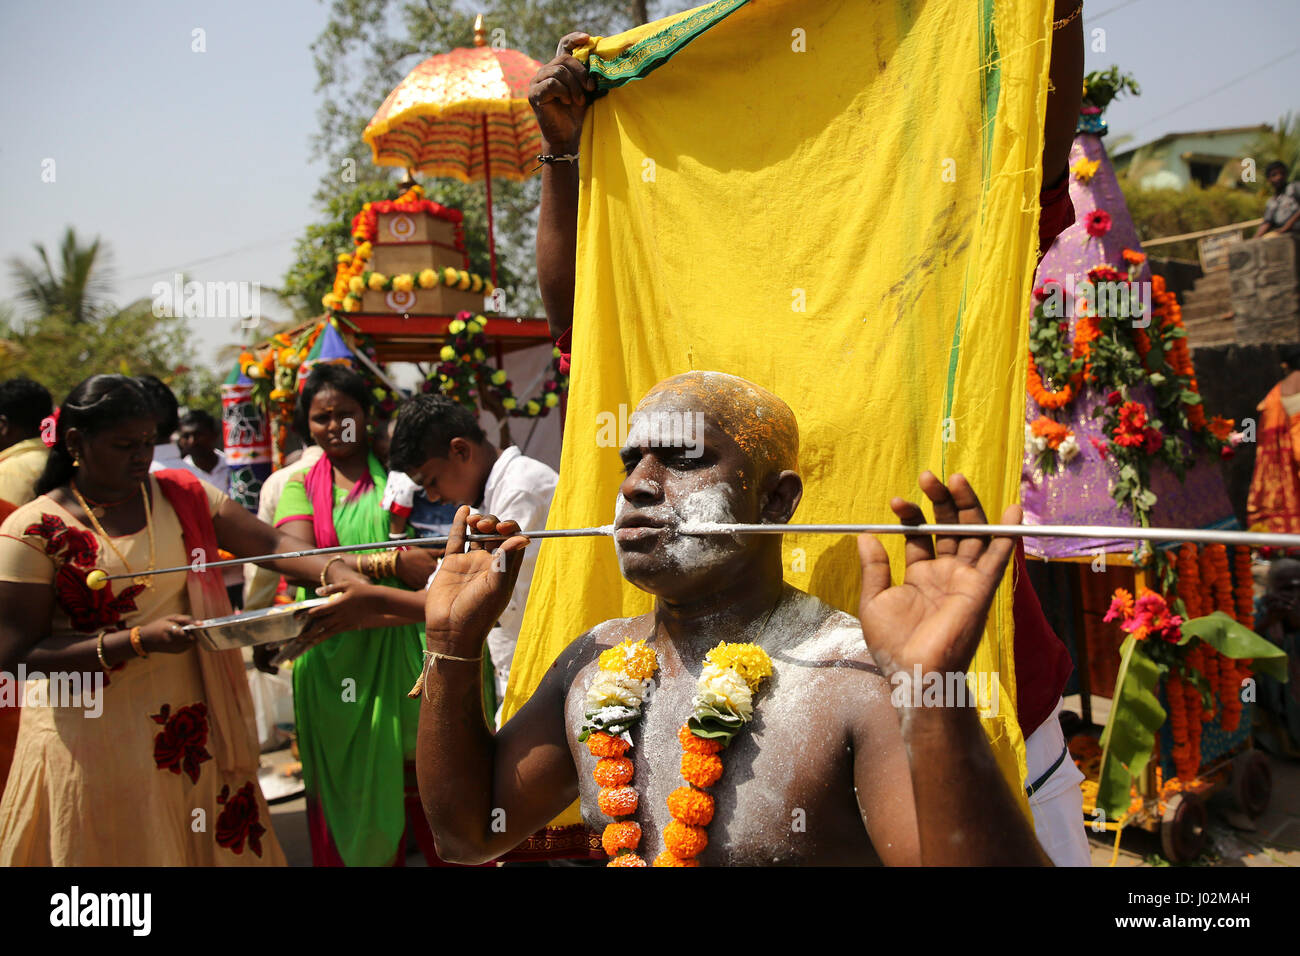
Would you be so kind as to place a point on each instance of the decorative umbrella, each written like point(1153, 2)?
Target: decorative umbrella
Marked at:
point(462, 114)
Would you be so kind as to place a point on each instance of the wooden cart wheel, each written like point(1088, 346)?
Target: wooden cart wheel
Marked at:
point(1252, 782)
point(1183, 828)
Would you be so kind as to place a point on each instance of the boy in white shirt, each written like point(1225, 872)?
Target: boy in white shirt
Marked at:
point(440, 447)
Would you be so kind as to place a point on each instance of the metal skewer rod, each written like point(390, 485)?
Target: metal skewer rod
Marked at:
point(1207, 536)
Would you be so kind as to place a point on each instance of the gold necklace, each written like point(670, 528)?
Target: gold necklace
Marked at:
point(146, 581)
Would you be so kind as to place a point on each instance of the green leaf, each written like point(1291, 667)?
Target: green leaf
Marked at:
point(1130, 733)
point(1233, 639)
point(1189, 397)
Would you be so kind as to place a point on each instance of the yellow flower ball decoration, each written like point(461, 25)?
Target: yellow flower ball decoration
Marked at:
point(638, 659)
point(748, 660)
point(428, 279)
point(356, 285)
point(376, 282)
point(404, 283)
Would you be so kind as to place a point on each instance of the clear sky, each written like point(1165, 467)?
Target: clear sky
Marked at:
point(201, 161)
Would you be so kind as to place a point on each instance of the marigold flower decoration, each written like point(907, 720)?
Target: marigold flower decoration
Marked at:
point(613, 706)
point(724, 703)
point(1085, 169)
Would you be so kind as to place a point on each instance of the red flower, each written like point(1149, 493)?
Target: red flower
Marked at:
point(1097, 223)
point(1153, 441)
point(89, 610)
point(180, 744)
point(1114, 398)
point(1227, 451)
point(239, 821)
point(1104, 273)
point(1100, 446)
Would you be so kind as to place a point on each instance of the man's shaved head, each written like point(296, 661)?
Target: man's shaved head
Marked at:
point(704, 448)
point(760, 423)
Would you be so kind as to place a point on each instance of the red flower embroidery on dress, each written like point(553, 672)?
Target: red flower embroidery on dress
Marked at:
point(239, 821)
point(70, 544)
point(180, 744)
point(91, 610)
point(75, 552)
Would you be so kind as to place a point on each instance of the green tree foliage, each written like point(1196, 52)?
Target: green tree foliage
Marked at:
point(1281, 143)
point(365, 50)
point(72, 330)
point(1171, 212)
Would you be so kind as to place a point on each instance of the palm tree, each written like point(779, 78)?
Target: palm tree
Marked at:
point(76, 286)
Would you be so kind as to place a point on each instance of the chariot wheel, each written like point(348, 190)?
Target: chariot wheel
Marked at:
point(1183, 828)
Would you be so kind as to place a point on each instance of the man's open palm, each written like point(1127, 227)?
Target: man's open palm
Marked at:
point(936, 616)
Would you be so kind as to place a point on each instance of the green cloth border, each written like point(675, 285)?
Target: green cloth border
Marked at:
point(647, 55)
point(990, 88)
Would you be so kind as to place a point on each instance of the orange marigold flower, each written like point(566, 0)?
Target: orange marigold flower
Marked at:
point(617, 801)
point(621, 836)
point(696, 745)
point(613, 771)
point(626, 859)
point(691, 806)
point(1136, 258)
point(667, 859)
point(684, 840)
point(1220, 427)
point(604, 745)
point(702, 770)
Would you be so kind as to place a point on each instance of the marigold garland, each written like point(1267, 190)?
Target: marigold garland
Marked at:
point(722, 705)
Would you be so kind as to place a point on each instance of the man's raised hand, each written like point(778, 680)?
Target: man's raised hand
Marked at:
point(472, 587)
point(936, 616)
point(558, 96)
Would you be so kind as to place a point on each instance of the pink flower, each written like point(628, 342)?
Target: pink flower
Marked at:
point(1100, 445)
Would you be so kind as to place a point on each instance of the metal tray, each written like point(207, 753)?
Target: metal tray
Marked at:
point(271, 625)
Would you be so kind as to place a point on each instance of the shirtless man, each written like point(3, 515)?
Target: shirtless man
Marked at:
point(875, 783)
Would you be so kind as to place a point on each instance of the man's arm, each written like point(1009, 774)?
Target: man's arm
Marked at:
point(1066, 93)
point(485, 793)
point(558, 95)
point(965, 812)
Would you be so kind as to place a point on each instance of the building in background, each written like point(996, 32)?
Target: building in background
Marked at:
point(1176, 160)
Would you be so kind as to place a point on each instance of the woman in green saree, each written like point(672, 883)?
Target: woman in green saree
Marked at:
point(356, 725)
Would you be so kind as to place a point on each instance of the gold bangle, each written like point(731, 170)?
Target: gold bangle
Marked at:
point(363, 565)
point(392, 563)
point(1057, 24)
point(326, 570)
point(136, 644)
point(99, 651)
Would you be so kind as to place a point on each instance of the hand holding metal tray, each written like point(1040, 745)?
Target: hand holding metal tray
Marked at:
point(280, 624)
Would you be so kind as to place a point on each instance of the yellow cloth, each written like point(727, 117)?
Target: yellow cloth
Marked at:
point(838, 202)
point(21, 465)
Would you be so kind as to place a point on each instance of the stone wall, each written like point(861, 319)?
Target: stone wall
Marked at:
point(1265, 287)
